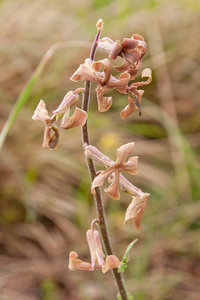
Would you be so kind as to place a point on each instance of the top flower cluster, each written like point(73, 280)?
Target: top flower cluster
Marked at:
point(132, 51)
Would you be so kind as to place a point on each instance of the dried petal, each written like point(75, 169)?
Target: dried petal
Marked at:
point(123, 152)
point(41, 114)
point(113, 189)
point(68, 102)
point(104, 103)
point(135, 209)
point(50, 142)
point(111, 262)
point(77, 119)
point(78, 264)
point(99, 180)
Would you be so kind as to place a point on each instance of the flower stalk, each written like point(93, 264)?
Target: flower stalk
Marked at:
point(92, 172)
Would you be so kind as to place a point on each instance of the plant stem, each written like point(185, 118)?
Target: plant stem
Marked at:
point(98, 197)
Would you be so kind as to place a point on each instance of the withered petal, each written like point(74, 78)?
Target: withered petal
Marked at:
point(41, 114)
point(113, 189)
point(135, 210)
point(129, 45)
point(78, 264)
point(124, 66)
point(123, 152)
point(99, 180)
point(107, 70)
point(116, 49)
point(77, 119)
point(104, 103)
point(131, 165)
point(111, 262)
point(50, 142)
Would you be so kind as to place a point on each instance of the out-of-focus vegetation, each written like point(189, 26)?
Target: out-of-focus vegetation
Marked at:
point(45, 200)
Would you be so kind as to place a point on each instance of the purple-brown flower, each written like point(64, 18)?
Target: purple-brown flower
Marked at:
point(135, 95)
point(115, 167)
point(131, 50)
point(90, 71)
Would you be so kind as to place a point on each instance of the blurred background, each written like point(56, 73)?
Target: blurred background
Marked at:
point(45, 200)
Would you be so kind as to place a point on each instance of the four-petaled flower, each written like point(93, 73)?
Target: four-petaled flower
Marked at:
point(116, 168)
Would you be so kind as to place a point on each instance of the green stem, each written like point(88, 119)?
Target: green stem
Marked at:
point(98, 197)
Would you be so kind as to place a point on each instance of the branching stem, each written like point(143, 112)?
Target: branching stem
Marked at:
point(92, 172)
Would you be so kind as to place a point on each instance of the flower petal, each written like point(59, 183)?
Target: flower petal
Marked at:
point(107, 70)
point(131, 165)
point(104, 103)
point(85, 72)
point(99, 180)
point(113, 189)
point(135, 210)
point(111, 262)
point(129, 44)
point(123, 152)
point(41, 114)
point(121, 84)
point(116, 49)
point(78, 264)
point(145, 73)
point(68, 102)
point(50, 142)
point(77, 119)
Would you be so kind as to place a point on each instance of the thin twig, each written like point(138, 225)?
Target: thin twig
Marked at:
point(92, 172)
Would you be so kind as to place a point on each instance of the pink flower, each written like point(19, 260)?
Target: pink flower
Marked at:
point(97, 255)
point(90, 71)
point(115, 167)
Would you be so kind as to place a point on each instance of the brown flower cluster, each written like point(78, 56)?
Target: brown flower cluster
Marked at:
point(118, 182)
point(132, 51)
point(61, 113)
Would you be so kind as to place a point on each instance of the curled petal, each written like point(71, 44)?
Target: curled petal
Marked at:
point(104, 103)
point(134, 103)
point(113, 189)
point(133, 70)
point(107, 70)
point(85, 72)
point(106, 44)
point(68, 102)
point(111, 262)
point(135, 209)
point(124, 66)
point(99, 180)
point(41, 114)
point(116, 49)
point(137, 37)
point(77, 119)
point(78, 264)
point(123, 152)
point(121, 84)
point(129, 44)
point(145, 73)
point(50, 142)
point(131, 165)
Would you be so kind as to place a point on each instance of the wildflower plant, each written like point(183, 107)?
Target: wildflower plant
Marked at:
point(132, 51)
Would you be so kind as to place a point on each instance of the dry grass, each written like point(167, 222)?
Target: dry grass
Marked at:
point(45, 200)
